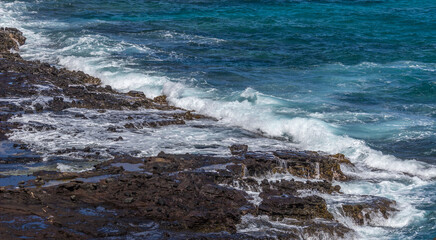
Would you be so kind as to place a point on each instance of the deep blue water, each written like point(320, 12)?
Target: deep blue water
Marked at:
point(351, 76)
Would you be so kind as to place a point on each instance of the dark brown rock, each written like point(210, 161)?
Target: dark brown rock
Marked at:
point(10, 38)
point(178, 196)
point(309, 164)
point(137, 94)
point(302, 208)
point(58, 104)
point(361, 213)
point(161, 100)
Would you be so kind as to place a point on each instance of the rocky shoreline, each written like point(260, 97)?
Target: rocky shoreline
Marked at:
point(277, 194)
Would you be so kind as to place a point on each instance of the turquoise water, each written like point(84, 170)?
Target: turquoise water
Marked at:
point(357, 77)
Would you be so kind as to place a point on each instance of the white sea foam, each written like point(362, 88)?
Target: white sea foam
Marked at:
point(187, 38)
point(71, 168)
point(306, 133)
point(65, 131)
point(263, 226)
point(124, 79)
point(403, 192)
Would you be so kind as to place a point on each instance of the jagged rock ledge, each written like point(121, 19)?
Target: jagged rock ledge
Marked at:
point(183, 196)
point(164, 197)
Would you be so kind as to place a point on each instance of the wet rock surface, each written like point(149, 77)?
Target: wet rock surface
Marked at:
point(10, 38)
point(180, 195)
point(168, 196)
point(365, 213)
point(183, 195)
point(32, 88)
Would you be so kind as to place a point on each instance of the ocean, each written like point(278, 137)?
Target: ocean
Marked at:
point(356, 77)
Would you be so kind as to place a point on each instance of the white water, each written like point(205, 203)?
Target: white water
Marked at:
point(194, 137)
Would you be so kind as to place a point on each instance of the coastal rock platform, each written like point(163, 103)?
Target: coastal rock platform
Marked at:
point(277, 194)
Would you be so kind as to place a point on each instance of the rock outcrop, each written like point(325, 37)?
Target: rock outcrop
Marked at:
point(365, 212)
point(168, 196)
point(189, 193)
point(11, 38)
